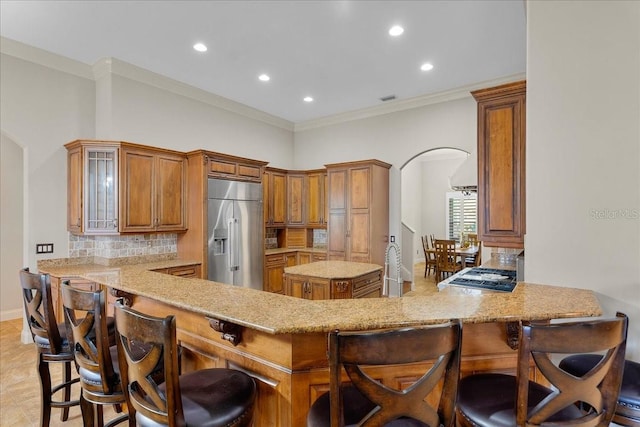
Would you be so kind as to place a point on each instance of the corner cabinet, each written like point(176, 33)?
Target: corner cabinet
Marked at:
point(501, 165)
point(316, 198)
point(358, 199)
point(117, 187)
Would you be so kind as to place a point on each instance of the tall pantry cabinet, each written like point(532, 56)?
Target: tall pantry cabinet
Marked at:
point(358, 199)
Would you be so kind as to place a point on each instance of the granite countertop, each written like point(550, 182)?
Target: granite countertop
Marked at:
point(333, 269)
point(279, 314)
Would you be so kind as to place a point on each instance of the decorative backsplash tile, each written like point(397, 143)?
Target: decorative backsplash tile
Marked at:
point(122, 246)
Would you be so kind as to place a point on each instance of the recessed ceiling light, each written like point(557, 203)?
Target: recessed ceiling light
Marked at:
point(396, 30)
point(307, 99)
point(426, 67)
point(200, 47)
point(264, 78)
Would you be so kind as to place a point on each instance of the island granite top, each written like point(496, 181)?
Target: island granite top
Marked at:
point(280, 314)
point(333, 269)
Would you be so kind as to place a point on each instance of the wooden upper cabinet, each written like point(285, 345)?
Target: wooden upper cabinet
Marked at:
point(235, 168)
point(296, 199)
point(275, 197)
point(501, 165)
point(317, 209)
point(92, 187)
point(154, 185)
point(74, 190)
point(358, 199)
point(117, 187)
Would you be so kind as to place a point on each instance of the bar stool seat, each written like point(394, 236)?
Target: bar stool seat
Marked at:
point(51, 343)
point(155, 392)
point(368, 402)
point(628, 406)
point(90, 340)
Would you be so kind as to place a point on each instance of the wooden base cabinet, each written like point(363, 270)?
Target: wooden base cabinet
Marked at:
point(501, 165)
point(358, 197)
point(274, 265)
point(316, 288)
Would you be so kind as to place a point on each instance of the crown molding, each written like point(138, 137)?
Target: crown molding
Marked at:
point(45, 58)
point(117, 67)
point(113, 66)
point(404, 104)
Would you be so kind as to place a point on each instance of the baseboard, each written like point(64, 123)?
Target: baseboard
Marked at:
point(11, 314)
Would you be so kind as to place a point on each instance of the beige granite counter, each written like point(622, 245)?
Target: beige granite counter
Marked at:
point(279, 314)
point(333, 269)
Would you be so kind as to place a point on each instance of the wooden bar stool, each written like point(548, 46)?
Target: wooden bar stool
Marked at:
point(368, 402)
point(499, 400)
point(89, 338)
point(628, 406)
point(51, 342)
point(157, 395)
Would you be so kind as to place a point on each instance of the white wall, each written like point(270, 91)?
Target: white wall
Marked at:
point(149, 115)
point(41, 109)
point(11, 223)
point(583, 151)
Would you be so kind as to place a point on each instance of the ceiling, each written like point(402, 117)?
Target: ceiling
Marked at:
point(338, 52)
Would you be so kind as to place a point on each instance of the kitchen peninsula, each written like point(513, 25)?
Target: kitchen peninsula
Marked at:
point(282, 341)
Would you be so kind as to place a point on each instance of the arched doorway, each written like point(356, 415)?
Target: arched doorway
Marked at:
point(424, 182)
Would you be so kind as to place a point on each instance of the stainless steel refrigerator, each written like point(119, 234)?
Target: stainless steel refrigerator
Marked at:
point(235, 233)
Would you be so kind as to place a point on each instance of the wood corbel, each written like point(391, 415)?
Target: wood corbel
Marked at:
point(230, 331)
point(127, 298)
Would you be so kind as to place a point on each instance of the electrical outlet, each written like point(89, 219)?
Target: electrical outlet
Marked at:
point(393, 239)
point(44, 248)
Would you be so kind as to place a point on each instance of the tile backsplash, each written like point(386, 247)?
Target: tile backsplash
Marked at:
point(122, 246)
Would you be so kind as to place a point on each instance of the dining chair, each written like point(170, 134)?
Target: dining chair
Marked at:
point(368, 402)
point(446, 258)
point(155, 392)
point(51, 343)
point(627, 411)
point(429, 257)
point(91, 343)
point(501, 400)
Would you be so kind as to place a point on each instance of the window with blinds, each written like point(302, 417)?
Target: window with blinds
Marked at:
point(462, 214)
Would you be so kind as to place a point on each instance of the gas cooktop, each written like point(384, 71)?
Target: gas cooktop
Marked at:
point(485, 278)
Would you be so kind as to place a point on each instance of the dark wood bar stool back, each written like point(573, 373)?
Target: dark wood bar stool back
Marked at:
point(628, 407)
point(51, 343)
point(367, 402)
point(497, 400)
point(157, 395)
point(96, 360)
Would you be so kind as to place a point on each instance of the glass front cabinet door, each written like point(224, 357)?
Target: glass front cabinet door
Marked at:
point(92, 188)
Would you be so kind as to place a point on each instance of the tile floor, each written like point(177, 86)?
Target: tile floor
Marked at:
point(20, 387)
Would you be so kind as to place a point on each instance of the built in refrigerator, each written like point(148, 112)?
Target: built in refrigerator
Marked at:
point(235, 233)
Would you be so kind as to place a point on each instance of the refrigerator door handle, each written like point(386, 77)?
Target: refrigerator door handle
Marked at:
point(233, 247)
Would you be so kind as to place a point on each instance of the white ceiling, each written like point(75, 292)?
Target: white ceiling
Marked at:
point(338, 52)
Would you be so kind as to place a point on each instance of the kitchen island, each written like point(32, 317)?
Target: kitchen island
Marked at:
point(333, 280)
point(282, 341)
